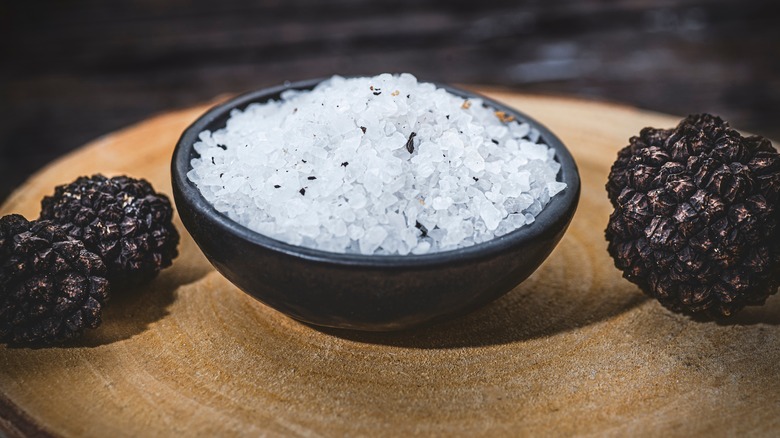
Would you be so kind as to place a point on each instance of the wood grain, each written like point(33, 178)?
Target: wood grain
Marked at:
point(574, 350)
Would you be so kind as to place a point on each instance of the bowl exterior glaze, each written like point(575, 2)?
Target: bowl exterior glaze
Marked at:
point(378, 293)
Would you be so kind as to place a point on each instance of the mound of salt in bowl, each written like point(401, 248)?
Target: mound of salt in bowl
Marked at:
point(380, 165)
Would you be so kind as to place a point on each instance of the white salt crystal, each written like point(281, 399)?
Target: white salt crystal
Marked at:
point(535, 207)
point(496, 131)
point(372, 239)
point(533, 151)
point(422, 248)
point(516, 220)
point(533, 135)
point(490, 215)
point(441, 203)
point(555, 187)
point(474, 161)
point(494, 167)
point(503, 228)
point(330, 168)
point(519, 130)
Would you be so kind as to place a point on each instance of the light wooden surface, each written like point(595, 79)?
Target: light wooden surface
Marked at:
point(574, 350)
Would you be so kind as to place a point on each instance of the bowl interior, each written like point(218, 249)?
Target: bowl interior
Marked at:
point(216, 118)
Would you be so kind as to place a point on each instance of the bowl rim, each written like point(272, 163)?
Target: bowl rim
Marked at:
point(546, 221)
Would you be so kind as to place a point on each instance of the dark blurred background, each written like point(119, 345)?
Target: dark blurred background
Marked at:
point(74, 70)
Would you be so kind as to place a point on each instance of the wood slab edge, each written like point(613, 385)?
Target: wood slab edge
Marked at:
point(14, 422)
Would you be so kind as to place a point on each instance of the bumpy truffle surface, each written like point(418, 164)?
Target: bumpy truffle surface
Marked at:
point(695, 223)
point(121, 219)
point(51, 288)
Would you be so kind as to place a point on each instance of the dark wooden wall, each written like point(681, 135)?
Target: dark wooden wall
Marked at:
point(75, 69)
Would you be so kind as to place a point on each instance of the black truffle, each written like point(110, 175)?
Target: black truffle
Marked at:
point(121, 219)
point(695, 223)
point(51, 288)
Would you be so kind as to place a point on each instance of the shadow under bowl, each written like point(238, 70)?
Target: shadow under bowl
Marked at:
point(364, 292)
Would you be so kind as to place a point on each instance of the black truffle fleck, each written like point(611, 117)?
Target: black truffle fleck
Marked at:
point(410, 142)
point(51, 287)
point(695, 223)
point(121, 219)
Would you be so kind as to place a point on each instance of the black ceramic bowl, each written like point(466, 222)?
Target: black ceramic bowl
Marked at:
point(362, 292)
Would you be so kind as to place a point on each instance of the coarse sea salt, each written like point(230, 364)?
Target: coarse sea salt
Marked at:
point(376, 165)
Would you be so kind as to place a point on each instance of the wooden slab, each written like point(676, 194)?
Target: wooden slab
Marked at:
point(573, 350)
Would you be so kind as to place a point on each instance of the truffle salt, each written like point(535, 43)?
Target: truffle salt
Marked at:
point(377, 165)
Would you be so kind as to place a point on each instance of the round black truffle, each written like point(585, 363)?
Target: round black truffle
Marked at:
point(695, 223)
point(121, 219)
point(51, 288)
